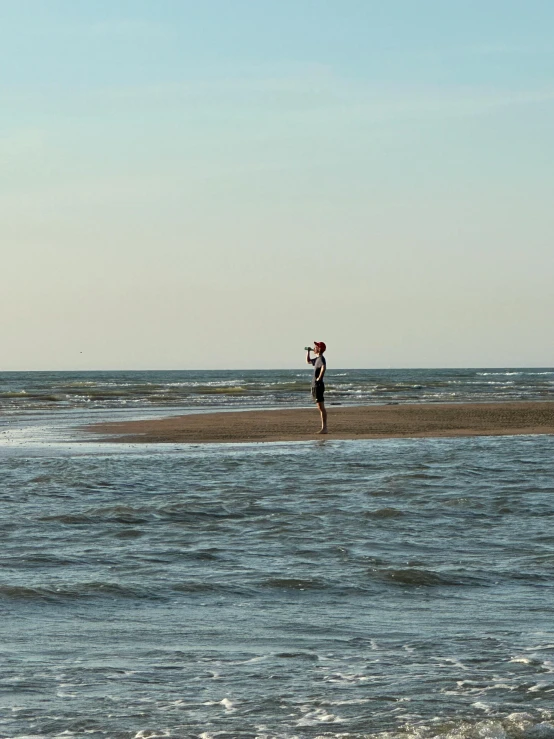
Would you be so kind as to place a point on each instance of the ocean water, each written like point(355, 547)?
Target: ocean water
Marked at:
point(59, 391)
point(395, 588)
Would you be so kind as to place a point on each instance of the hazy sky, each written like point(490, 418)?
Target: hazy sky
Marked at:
point(216, 183)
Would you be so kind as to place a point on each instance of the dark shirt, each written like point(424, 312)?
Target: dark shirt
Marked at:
point(318, 362)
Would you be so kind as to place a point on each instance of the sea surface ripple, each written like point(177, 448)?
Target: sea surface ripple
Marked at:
point(378, 588)
point(142, 391)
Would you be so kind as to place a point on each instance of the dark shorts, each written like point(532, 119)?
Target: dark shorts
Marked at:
point(318, 391)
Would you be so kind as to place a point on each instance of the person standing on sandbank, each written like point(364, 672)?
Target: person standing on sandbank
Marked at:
point(318, 386)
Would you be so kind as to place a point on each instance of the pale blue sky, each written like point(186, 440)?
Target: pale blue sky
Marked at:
point(182, 182)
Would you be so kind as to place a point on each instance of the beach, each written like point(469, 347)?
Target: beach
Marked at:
point(355, 422)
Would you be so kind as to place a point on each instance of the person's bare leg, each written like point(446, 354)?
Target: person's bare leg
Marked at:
point(323, 412)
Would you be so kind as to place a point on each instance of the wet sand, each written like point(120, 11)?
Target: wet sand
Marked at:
point(345, 422)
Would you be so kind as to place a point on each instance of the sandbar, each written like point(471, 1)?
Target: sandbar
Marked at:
point(345, 422)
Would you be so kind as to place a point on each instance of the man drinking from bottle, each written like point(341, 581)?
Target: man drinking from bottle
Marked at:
point(318, 386)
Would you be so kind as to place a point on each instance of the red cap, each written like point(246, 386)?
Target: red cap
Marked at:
point(321, 344)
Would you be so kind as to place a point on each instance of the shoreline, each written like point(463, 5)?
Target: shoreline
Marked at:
point(433, 420)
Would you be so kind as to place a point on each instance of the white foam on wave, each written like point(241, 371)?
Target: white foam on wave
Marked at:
point(520, 720)
point(355, 702)
point(466, 687)
point(490, 730)
point(251, 660)
point(498, 685)
point(540, 646)
point(313, 717)
point(225, 702)
point(348, 678)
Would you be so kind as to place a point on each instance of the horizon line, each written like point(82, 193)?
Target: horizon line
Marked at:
point(287, 369)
